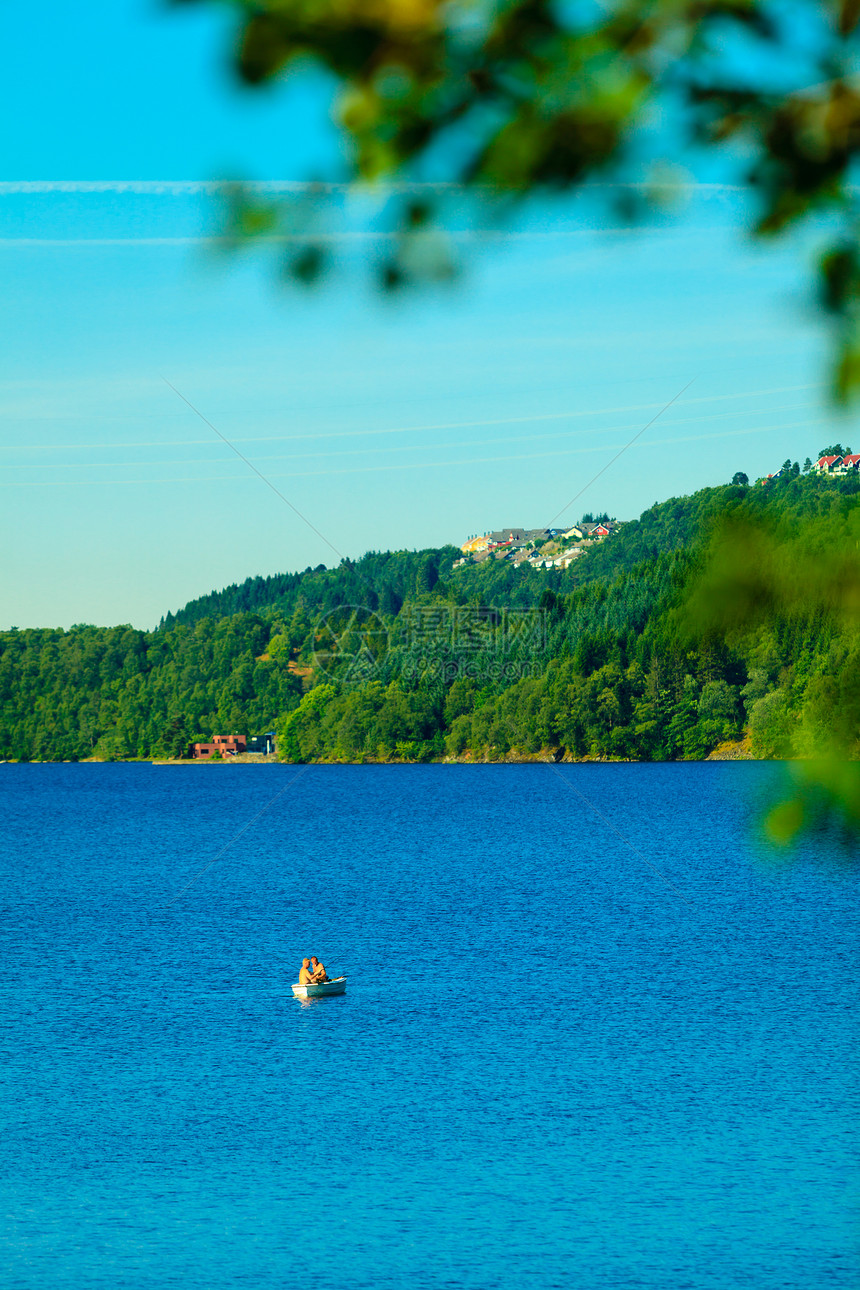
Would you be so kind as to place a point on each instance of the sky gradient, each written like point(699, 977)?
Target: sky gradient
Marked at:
point(387, 424)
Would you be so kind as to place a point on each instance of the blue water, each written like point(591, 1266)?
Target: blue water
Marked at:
point(562, 1061)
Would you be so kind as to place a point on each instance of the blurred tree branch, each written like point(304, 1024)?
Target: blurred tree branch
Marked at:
point(762, 578)
point(502, 99)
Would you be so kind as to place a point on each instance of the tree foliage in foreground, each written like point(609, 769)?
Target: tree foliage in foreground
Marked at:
point(502, 99)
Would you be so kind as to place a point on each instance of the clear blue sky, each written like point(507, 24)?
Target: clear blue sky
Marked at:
point(388, 425)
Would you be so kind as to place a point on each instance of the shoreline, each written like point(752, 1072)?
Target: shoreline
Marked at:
point(738, 750)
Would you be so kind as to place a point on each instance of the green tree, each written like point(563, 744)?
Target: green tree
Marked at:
point(771, 725)
point(176, 738)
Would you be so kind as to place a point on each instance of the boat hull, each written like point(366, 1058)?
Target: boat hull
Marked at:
point(321, 989)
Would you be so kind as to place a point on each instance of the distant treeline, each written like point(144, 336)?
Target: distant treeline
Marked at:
point(636, 650)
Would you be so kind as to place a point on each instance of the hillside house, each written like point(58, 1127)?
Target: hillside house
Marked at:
point(505, 537)
point(826, 465)
point(224, 745)
point(505, 542)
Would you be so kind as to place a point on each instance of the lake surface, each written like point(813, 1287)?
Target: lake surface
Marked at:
point(591, 1039)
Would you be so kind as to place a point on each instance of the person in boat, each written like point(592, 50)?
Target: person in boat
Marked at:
point(318, 972)
point(306, 977)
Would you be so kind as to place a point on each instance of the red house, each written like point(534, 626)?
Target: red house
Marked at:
point(226, 745)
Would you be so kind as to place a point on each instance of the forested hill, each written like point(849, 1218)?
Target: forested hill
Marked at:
point(400, 655)
point(381, 580)
point(384, 581)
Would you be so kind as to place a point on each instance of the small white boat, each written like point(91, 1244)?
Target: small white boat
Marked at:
point(321, 988)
